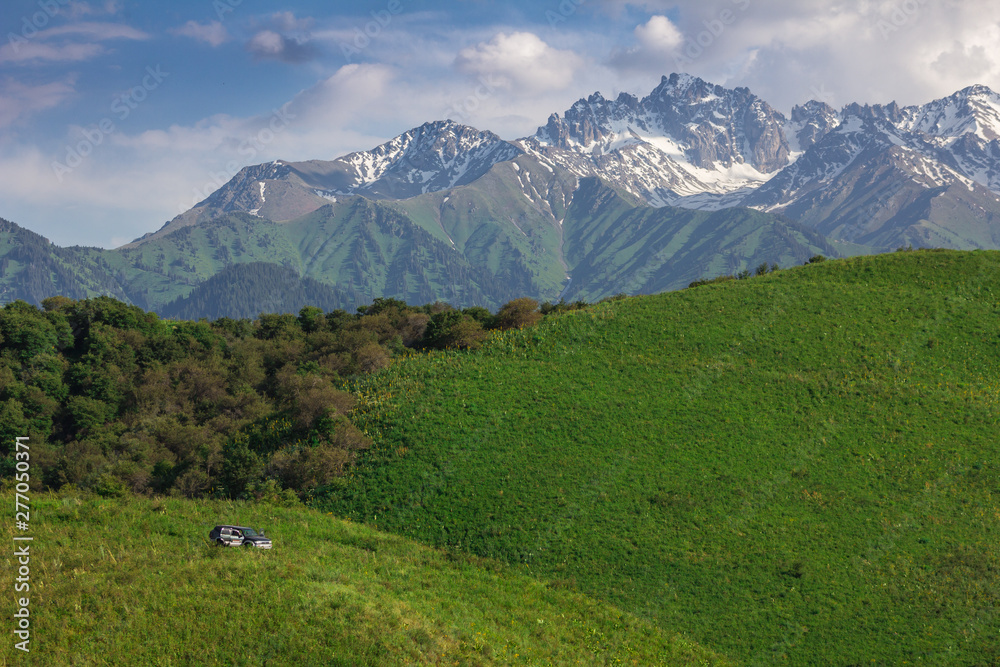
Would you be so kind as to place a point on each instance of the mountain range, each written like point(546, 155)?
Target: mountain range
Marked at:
point(614, 196)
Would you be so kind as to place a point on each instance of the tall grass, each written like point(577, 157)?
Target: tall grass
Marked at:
point(135, 581)
point(800, 468)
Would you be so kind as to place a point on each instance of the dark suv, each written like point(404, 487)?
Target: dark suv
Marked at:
point(234, 536)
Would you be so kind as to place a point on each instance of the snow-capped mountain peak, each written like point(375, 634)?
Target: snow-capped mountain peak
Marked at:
point(435, 156)
point(687, 138)
point(972, 110)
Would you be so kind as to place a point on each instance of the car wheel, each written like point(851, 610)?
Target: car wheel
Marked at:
point(220, 543)
point(248, 544)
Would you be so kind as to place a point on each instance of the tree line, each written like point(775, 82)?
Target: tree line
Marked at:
point(116, 399)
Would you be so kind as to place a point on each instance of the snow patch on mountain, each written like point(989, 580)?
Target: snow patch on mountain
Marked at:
point(256, 211)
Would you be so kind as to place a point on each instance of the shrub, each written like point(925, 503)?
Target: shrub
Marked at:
point(370, 358)
point(241, 466)
point(311, 319)
point(412, 328)
point(517, 314)
point(55, 303)
point(270, 491)
point(108, 486)
point(479, 314)
point(453, 329)
point(192, 483)
point(307, 467)
point(709, 281)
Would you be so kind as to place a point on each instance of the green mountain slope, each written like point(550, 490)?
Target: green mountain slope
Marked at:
point(614, 245)
point(506, 222)
point(136, 582)
point(32, 269)
point(376, 250)
point(247, 290)
point(798, 469)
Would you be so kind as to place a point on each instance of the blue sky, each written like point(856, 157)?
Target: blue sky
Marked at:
point(115, 116)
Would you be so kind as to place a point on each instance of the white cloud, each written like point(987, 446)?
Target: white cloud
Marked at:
point(659, 34)
point(965, 60)
point(287, 22)
point(286, 38)
point(267, 44)
point(270, 45)
point(20, 99)
point(14, 52)
point(95, 30)
point(520, 62)
point(56, 44)
point(212, 33)
point(75, 10)
point(658, 43)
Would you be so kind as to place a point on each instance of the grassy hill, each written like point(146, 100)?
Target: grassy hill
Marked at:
point(799, 468)
point(135, 582)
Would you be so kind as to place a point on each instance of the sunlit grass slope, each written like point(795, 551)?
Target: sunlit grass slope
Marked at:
point(800, 468)
point(134, 582)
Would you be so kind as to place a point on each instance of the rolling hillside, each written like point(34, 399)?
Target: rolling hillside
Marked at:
point(799, 468)
point(136, 582)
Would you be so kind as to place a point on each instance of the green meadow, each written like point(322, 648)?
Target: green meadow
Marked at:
point(135, 582)
point(798, 468)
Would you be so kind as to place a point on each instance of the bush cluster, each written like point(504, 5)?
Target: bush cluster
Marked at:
point(118, 400)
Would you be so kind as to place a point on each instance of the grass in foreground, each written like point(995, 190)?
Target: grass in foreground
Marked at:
point(795, 469)
point(135, 581)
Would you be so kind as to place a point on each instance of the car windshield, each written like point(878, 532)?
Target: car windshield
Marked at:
point(248, 532)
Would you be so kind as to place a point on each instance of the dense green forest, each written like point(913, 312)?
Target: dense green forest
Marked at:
point(116, 399)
